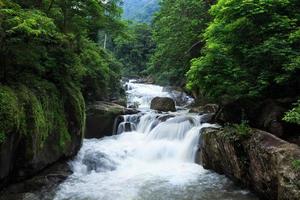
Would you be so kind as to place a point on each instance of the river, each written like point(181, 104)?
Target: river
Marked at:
point(155, 160)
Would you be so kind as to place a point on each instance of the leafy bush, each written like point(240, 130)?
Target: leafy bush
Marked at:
point(252, 49)
point(293, 116)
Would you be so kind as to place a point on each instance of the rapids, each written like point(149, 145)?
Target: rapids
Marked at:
point(152, 157)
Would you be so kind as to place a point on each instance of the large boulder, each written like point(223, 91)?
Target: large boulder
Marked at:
point(256, 159)
point(101, 116)
point(163, 104)
point(49, 128)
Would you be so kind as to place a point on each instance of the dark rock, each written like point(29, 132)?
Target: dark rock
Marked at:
point(7, 156)
point(270, 118)
point(40, 187)
point(266, 115)
point(260, 161)
point(100, 119)
point(131, 111)
point(163, 104)
point(178, 94)
point(208, 118)
point(98, 162)
point(208, 108)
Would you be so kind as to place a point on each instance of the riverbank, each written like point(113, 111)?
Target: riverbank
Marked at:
point(255, 159)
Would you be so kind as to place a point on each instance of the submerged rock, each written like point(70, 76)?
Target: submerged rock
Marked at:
point(98, 162)
point(257, 159)
point(163, 104)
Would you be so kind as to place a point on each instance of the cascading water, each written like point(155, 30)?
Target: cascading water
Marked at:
point(151, 158)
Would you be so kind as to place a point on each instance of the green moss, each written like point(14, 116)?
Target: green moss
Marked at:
point(75, 106)
point(37, 109)
point(11, 114)
point(296, 164)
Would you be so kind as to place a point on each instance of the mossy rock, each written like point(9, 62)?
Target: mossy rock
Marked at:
point(47, 121)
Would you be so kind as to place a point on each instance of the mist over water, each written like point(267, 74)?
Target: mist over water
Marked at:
point(152, 159)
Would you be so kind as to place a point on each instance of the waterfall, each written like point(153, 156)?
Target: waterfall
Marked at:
point(151, 157)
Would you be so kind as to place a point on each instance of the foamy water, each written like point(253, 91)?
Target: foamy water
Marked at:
point(154, 160)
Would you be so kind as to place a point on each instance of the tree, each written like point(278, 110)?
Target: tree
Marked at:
point(135, 49)
point(252, 50)
point(176, 30)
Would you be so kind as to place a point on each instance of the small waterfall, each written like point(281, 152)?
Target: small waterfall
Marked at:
point(129, 123)
point(151, 157)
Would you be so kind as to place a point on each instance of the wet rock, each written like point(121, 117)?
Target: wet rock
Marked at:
point(163, 104)
point(131, 111)
point(40, 187)
point(177, 93)
point(208, 118)
point(257, 160)
point(208, 108)
point(98, 162)
point(23, 196)
point(100, 119)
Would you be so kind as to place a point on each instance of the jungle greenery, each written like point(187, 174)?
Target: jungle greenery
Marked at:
point(134, 49)
point(50, 61)
point(177, 29)
point(229, 49)
point(52, 54)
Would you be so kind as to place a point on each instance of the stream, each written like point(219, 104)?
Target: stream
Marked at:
point(154, 160)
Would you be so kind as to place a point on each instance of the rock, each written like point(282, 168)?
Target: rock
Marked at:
point(100, 119)
point(266, 115)
point(22, 196)
point(40, 187)
point(163, 104)
point(8, 155)
point(208, 108)
point(179, 96)
point(121, 102)
point(98, 162)
point(257, 160)
point(131, 111)
point(270, 118)
point(208, 118)
point(23, 156)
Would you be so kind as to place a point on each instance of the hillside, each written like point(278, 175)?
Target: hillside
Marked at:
point(140, 10)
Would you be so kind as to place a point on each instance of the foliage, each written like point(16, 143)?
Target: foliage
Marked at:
point(293, 116)
point(10, 114)
point(296, 164)
point(176, 30)
point(49, 57)
point(252, 49)
point(134, 50)
point(236, 132)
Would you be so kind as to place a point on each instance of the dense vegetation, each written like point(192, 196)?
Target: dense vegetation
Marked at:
point(229, 49)
point(54, 51)
point(50, 59)
point(177, 33)
point(252, 49)
point(134, 50)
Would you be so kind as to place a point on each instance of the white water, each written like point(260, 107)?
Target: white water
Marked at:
point(154, 162)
